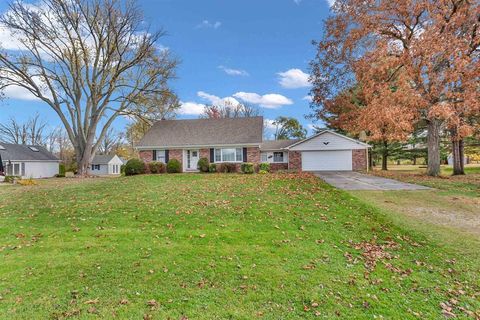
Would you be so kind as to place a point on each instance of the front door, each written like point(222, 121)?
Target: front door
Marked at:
point(192, 159)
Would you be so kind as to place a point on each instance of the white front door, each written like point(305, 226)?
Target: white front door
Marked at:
point(192, 159)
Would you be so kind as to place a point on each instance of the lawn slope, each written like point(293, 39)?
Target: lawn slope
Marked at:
point(218, 247)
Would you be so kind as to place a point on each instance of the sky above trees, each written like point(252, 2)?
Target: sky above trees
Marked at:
point(249, 51)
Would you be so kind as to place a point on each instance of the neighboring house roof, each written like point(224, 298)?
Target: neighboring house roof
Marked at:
point(272, 145)
point(19, 152)
point(103, 159)
point(204, 132)
point(360, 143)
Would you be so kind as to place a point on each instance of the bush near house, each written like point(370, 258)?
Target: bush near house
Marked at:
point(156, 167)
point(264, 166)
point(203, 165)
point(227, 167)
point(61, 170)
point(247, 167)
point(212, 167)
point(134, 167)
point(174, 166)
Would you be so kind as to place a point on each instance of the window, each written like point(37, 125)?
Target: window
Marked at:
point(229, 155)
point(16, 169)
point(264, 157)
point(96, 167)
point(23, 169)
point(278, 157)
point(161, 156)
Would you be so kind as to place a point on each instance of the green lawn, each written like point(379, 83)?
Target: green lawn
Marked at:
point(220, 247)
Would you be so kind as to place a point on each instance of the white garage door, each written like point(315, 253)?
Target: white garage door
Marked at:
point(327, 160)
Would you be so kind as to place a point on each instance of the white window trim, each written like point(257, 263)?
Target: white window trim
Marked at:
point(221, 155)
point(271, 157)
point(158, 152)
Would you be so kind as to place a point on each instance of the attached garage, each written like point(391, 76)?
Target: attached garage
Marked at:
point(327, 160)
point(330, 151)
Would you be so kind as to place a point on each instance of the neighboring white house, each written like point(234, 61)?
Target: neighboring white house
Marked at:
point(450, 160)
point(27, 161)
point(103, 165)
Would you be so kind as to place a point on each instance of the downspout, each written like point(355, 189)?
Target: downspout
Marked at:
point(368, 162)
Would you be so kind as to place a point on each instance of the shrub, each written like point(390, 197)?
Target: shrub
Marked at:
point(122, 169)
point(11, 179)
point(263, 172)
point(227, 167)
point(264, 166)
point(247, 167)
point(203, 165)
point(27, 182)
point(212, 167)
point(174, 166)
point(134, 166)
point(156, 167)
point(61, 170)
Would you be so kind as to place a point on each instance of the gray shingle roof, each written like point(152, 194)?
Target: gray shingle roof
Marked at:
point(271, 145)
point(102, 159)
point(204, 132)
point(24, 153)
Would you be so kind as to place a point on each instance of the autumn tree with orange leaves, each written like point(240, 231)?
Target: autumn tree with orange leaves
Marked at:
point(412, 60)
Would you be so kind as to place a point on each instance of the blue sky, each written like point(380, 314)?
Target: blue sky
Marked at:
point(250, 50)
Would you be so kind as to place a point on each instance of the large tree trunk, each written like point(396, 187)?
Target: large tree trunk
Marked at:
point(461, 151)
point(385, 156)
point(457, 154)
point(433, 142)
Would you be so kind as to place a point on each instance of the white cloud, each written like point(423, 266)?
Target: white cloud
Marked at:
point(19, 93)
point(293, 79)
point(269, 124)
point(215, 100)
point(308, 98)
point(270, 101)
point(191, 108)
point(331, 2)
point(207, 24)
point(233, 72)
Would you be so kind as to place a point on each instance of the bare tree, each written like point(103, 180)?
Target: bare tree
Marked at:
point(111, 142)
point(31, 132)
point(58, 143)
point(229, 110)
point(89, 60)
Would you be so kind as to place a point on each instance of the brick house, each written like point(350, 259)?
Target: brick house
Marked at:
point(237, 140)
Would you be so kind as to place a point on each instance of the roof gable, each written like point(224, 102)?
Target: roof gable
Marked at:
point(203, 132)
point(105, 159)
point(18, 152)
point(328, 140)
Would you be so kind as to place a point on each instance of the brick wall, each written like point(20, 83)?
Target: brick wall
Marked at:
point(295, 160)
point(176, 154)
point(253, 155)
point(146, 155)
point(205, 153)
point(278, 166)
point(359, 160)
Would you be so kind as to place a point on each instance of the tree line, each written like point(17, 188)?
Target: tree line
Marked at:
point(395, 69)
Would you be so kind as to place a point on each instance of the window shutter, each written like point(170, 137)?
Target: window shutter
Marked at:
point(245, 155)
point(212, 155)
point(154, 155)
point(167, 158)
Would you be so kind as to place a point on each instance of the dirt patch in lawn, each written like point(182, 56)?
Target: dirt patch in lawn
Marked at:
point(429, 207)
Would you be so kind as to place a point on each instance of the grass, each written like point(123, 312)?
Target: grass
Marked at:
point(464, 185)
point(220, 247)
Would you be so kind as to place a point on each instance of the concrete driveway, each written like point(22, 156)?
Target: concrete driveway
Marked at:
point(348, 180)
